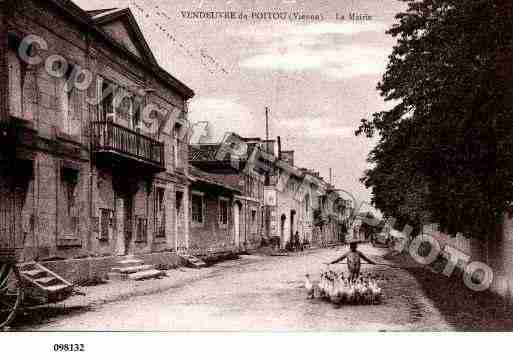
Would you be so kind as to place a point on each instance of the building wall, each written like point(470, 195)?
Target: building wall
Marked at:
point(287, 201)
point(4, 95)
point(251, 199)
point(38, 101)
point(211, 236)
point(253, 224)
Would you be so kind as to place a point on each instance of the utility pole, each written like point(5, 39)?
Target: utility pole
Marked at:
point(267, 176)
point(331, 177)
point(267, 129)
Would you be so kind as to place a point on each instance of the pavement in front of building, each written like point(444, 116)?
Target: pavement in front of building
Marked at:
point(253, 293)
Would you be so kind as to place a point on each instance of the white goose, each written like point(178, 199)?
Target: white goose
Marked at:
point(310, 287)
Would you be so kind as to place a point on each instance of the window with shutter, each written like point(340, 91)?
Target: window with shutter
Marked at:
point(106, 99)
point(125, 109)
point(197, 209)
point(223, 212)
point(69, 181)
point(160, 212)
point(15, 81)
point(106, 216)
point(179, 207)
point(254, 221)
point(142, 229)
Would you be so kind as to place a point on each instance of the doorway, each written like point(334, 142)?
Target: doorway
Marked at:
point(125, 188)
point(124, 220)
point(128, 222)
point(14, 193)
point(292, 224)
point(180, 235)
point(283, 219)
point(237, 208)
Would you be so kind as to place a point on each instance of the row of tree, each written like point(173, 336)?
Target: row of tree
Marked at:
point(445, 148)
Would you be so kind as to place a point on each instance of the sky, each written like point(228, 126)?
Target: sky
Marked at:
point(317, 74)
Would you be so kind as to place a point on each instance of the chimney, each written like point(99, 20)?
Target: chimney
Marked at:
point(288, 156)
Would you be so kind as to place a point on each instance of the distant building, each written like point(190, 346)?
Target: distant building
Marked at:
point(215, 216)
point(248, 204)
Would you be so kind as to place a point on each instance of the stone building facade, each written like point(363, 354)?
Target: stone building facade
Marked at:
point(248, 209)
point(303, 202)
point(94, 161)
point(215, 216)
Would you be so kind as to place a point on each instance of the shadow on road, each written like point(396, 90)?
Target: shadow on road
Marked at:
point(30, 317)
point(464, 309)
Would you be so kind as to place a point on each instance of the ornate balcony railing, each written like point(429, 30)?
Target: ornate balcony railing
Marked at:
point(113, 138)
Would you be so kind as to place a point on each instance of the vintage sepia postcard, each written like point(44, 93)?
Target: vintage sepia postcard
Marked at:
point(255, 166)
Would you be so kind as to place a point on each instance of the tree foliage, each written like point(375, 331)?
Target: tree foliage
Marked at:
point(445, 147)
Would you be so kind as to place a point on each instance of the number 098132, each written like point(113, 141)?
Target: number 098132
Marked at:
point(69, 348)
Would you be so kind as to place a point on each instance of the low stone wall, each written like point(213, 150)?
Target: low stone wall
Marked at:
point(84, 270)
point(497, 254)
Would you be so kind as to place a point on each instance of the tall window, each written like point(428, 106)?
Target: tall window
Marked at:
point(160, 212)
point(197, 207)
point(176, 145)
point(106, 218)
point(254, 221)
point(223, 212)
point(179, 206)
point(142, 229)
point(136, 118)
point(15, 78)
point(262, 221)
point(125, 109)
point(70, 105)
point(69, 180)
point(30, 93)
point(106, 95)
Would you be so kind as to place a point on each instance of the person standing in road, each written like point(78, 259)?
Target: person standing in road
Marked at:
point(296, 241)
point(354, 257)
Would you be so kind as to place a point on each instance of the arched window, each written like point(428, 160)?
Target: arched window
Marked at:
point(307, 204)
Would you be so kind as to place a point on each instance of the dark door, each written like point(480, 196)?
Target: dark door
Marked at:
point(13, 197)
point(6, 210)
point(128, 222)
point(283, 218)
point(292, 219)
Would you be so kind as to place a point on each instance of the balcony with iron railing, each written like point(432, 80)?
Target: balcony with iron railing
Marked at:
point(123, 145)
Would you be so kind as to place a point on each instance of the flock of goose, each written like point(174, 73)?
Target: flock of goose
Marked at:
point(338, 289)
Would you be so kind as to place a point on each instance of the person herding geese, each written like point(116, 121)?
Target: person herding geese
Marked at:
point(354, 257)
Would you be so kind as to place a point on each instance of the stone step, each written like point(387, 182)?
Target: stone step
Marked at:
point(129, 270)
point(35, 273)
point(28, 266)
point(116, 276)
point(48, 281)
point(147, 274)
point(199, 264)
point(56, 288)
point(193, 261)
point(130, 262)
